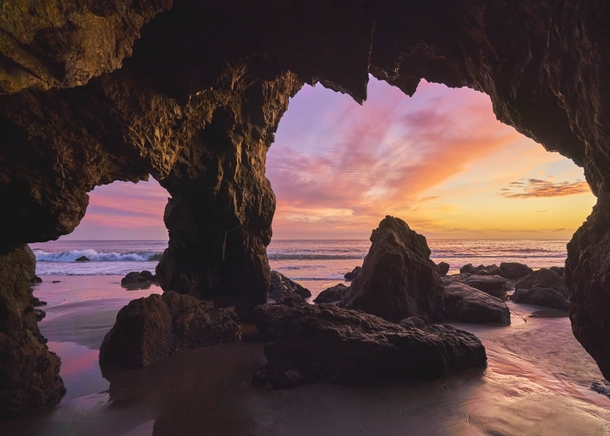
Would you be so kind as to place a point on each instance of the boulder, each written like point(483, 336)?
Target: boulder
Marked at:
point(442, 268)
point(281, 287)
point(332, 295)
point(398, 279)
point(82, 259)
point(467, 304)
point(35, 280)
point(542, 288)
point(155, 327)
point(138, 280)
point(492, 285)
point(558, 270)
point(482, 270)
point(352, 275)
point(325, 342)
point(514, 270)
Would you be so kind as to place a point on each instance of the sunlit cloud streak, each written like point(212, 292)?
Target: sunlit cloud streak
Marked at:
point(535, 188)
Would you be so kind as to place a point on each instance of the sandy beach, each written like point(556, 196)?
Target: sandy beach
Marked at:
point(537, 383)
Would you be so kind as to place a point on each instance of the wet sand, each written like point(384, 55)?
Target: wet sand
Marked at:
point(536, 383)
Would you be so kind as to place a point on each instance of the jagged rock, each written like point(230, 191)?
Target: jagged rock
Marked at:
point(29, 372)
point(352, 274)
point(291, 300)
point(559, 270)
point(155, 327)
point(35, 280)
point(398, 279)
point(138, 280)
point(40, 314)
point(332, 295)
point(442, 269)
point(281, 287)
point(482, 270)
point(514, 270)
point(82, 259)
point(201, 116)
point(467, 304)
point(492, 285)
point(324, 342)
point(542, 288)
point(36, 302)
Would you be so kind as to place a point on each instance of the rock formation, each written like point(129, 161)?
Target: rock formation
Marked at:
point(155, 327)
point(282, 287)
point(467, 304)
point(492, 285)
point(138, 280)
point(324, 342)
point(542, 288)
point(442, 269)
point(195, 102)
point(333, 294)
point(514, 270)
point(29, 372)
point(398, 279)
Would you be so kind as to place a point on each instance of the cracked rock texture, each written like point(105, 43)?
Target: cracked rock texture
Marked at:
point(192, 93)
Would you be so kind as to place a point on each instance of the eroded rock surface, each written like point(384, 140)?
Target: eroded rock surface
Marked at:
point(282, 287)
point(155, 327)
point(398, 279)
point(492, 285)
point(542, 288)
point(324, 342)
point(467, 304)
point(29, 372)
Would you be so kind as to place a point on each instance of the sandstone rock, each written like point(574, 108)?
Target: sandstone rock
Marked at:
point(155, 327)
point(29, 372)
point(281, 287)
point(467, 304)
point(442, 269)
point(542, 288)
point(601, 387)
point(352, 274)
point(82, 259)
point(324, 342)
point(398, 279)
point(492, 285)
point(514, 270)
point(332, 295)
point(138, 280)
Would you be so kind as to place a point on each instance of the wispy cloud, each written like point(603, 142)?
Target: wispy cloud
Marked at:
point(536, 188)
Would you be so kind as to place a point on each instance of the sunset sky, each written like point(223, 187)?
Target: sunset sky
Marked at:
point(439, 160)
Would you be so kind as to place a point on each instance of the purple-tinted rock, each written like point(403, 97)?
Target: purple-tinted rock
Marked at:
point(467, 304)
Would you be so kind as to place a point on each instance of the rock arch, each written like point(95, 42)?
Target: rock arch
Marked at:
point(196, 99)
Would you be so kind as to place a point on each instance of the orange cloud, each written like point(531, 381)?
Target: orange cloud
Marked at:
point(535, 188)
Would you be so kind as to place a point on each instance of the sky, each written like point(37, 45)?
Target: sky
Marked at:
point(439, 160)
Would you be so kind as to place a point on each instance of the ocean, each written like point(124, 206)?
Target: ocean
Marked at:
point(314, 263)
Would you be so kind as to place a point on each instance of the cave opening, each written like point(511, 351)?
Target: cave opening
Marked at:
point(440, 160)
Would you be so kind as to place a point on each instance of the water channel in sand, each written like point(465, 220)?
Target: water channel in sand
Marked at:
point(536, 383)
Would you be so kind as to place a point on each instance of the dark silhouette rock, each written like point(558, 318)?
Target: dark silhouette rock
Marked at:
point(36, 302)
point(332, 295)
point(558, 270)
point(442, 268)
point(542, 288)
point(398, 279)
point(29, 372)
point(281, 287)
point(482, 270)
point(291, 300)
point(492, 285)
point(601, 387)
point(155, 327)
point(82, 259)
point(352, 274)
point(514, 270)
point(35, 280)
point(138, 280)
point(467, 304)
point(324, 342)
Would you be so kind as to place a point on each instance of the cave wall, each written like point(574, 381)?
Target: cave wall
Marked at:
point(192, 92)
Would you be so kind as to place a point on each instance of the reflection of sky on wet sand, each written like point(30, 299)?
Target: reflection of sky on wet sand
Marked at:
point(536, 384)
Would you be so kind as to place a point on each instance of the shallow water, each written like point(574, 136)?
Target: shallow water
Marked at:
point(536, 383)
